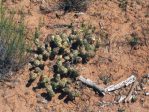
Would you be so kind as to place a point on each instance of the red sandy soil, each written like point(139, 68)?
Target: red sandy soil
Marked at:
point(117, 60)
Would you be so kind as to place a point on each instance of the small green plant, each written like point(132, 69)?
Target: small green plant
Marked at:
point(106, 79)
point(134, 40)
point(123, 4)
point(13, 43)
point(66, 51)
point(74, 5)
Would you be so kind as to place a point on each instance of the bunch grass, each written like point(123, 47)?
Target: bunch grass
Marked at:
point(13, 42)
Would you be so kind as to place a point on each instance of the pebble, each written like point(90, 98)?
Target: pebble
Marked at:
point(40, 99)
point(38, 95)
point(43, 101)
point(138, 88)
point(38, 109)
point(142, 86)
point(37, 1)
point(135, 92)
point(121, 99)
point(142, 100)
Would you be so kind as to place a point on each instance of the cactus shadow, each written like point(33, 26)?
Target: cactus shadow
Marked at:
point(29, 83)
point(39, 86)
point(67, 99)
point(46, 96)
point(62, 96)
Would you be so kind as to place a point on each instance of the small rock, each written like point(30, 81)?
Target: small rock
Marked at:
point(135, 92)
point(43, 101)
point(38, 109)
point(116, 92)
point(121, 99)
point(38, 95)
point(40, 99)
point(142, 86)
point(138, 88)
point(144, 80)
point(36, 1)
point(142, 100)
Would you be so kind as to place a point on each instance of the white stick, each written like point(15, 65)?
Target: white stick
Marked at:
point(121, 99)
point(129, 96)
point(146, 76)
point(92, 84)
point(127, 82)
point(147, 94)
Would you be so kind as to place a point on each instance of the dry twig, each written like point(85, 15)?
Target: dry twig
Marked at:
point(147, 94)
point(92, 84)
point(128, 98)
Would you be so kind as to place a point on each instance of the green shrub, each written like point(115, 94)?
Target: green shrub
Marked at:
point(13, 44)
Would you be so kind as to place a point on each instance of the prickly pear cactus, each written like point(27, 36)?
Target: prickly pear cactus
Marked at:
point(65, 51)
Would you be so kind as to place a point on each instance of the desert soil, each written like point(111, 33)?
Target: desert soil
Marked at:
point(116, 59)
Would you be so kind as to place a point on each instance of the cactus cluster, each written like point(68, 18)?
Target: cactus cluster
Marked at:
point(66, 50)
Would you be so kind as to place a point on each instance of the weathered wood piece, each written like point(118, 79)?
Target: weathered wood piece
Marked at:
point(129, 96)
point(92, 84)
point(147, 94)
point(121, 99)
point(127, 82)
point(146, 76)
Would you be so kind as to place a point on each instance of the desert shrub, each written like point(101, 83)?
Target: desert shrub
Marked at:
point(74, 5)
point(13, 44)
point(134, 40)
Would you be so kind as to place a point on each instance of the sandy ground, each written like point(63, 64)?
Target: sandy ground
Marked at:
point(116, 59)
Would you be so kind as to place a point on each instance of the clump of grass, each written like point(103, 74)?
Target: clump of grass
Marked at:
point(134, 40)
point(106, 79)
point(74, 5)
point(123, 4)
point(13, 44)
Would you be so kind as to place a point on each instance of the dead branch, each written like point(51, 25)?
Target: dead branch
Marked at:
point(147, 94)
point(127, 82)
point(121, 99)
point(128, 98)
point(92, 84)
